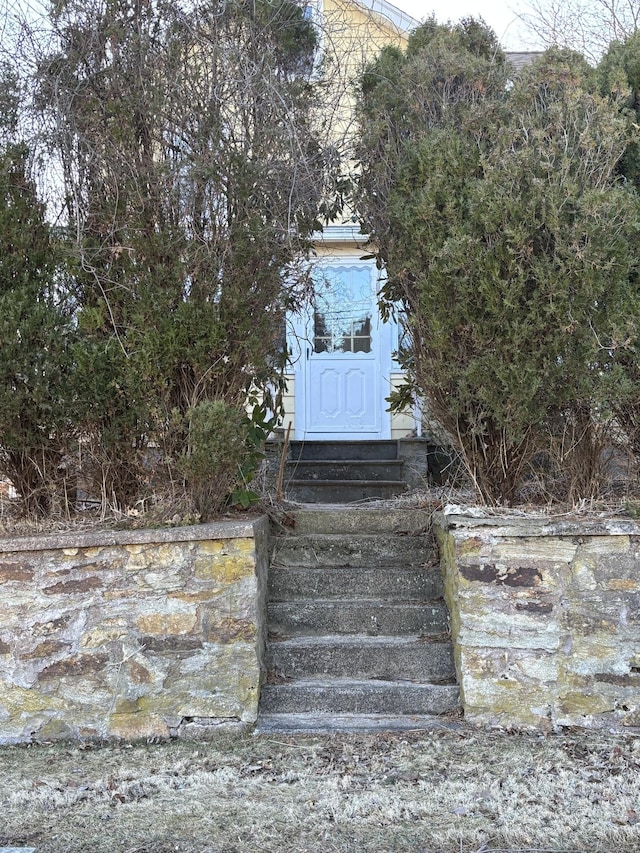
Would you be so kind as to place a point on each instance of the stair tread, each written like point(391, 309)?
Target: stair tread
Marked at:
point(341, 462)
point(383, 602)
point(294, 481)
point(347, 537)
point(345, 681)
point(365, 640)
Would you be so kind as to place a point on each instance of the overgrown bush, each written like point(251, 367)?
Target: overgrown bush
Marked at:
point(193, 174)
point(508, 242)
point(215, 455)
point(619, 79)
point(36, 339)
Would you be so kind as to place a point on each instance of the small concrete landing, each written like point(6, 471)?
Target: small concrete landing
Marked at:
point(356, 723)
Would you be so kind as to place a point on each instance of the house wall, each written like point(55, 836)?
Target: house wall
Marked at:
point(132, 634)
point(352, 35)
point(545, 618)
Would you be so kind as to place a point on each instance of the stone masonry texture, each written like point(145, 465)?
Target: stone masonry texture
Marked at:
point(545, 618)
point(131, 634)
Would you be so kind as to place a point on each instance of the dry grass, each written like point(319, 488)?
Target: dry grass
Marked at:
point(443, 792)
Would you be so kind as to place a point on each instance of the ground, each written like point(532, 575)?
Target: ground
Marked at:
point(447, 791)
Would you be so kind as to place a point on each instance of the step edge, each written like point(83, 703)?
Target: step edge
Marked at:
point(308, 722)
point(332, 483)
point(379, 684)
point(384, 640)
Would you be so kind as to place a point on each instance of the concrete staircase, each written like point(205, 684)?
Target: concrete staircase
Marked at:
point(358, 628)
point(342, 472)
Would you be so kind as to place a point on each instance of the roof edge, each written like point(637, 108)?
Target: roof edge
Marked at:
point(401, 20)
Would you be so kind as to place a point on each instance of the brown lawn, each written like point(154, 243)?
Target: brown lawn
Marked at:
point(458, 791)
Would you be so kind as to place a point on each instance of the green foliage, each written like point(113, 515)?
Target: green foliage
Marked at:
point(507, 240)
point(193, 179)
point(36, 406)
point(619, 77)
point(216, 456)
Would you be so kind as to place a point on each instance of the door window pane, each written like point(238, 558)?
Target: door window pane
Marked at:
point(342, 310)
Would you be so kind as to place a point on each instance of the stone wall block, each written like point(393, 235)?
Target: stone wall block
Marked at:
point(545, 618)
point(127, 633)
point(552, 551)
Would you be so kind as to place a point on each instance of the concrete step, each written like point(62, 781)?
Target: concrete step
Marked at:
point(363, 658)
point(343, 491)
point(358, 723)
point(354, 696)
point(371, 617)
point(363, 550)
point(395, 583)
point(358, 520)
point(356, 450)
point(329, 470)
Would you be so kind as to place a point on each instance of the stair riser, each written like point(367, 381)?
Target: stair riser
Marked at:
point(343, 492)
point(343, 450)
point(327, 471)
point(361, 551)
point(359, 699)
point(422, 662)
point(387, 520)
point(358, 617)
point(284, 724)
point(395, 583)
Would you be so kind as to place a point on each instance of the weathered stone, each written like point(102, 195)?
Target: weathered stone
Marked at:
point(628, 679)
point(540, 607)
point(103, 635)
point(557, 644)
point(582, 574)
point(46, 649)
point(471, 547)
point(171, 644)
point(55, 730)
point(546, 550)
point(226, 562)
point(137, 726)
point(15, 572)
point(585, 704)
point(74, 587)
point(80, 665)
point(43, 628)
point(20, 701)
point(167, 623)
point(118, 636)
point(501, 575)
point(165, 581)
point(139, 674)
point(622, 584)
point(196, 597)
point(228, 630)
point(632, 719)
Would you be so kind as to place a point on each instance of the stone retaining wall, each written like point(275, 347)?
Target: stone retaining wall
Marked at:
point(545, 617)
point(131, 634)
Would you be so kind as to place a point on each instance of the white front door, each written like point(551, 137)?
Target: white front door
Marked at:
point(344, 356)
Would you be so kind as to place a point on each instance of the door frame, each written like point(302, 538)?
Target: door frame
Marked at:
point(300, 338)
